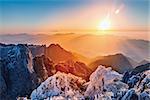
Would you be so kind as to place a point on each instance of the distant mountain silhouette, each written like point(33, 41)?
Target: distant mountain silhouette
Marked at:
point(132, 62)
point(118, 62)
point(89, 45)
point(135, 63)
point(143, 62)
point(82, 58)
point(136, 49)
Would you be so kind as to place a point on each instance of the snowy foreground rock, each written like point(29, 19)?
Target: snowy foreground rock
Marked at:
point(104, 84)
point(60, 84)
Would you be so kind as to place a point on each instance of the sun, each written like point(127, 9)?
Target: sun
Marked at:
point(104, 24)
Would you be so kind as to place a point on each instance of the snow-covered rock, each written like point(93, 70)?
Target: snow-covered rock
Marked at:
point(103, 79)
point(144, 96)
point(144, 84)
point(104, 84)
point(133, 81)
point(60, 84)
point(130, 95)
point(140, 87)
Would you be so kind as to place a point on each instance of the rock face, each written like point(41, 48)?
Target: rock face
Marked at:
point(37, 50)
point(16, 73)
point(76, 68)
point(57, 54)
point(118, 62)
point(43, 67)
point(39, 67)
point(3, 85)
point(4, 50)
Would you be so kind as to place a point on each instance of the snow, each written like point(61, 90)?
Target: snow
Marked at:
point(60, 84)
point(101, 79)
point(104, 84)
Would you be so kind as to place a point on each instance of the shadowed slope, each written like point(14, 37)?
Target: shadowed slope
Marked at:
point(118, 62)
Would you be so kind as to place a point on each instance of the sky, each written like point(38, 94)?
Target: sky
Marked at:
point(31, 16)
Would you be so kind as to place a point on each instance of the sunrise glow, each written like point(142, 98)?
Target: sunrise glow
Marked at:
point(104, 24)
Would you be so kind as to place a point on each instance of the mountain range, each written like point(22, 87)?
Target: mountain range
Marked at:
point(118, 62)
point(88, 45)
point(24, 67)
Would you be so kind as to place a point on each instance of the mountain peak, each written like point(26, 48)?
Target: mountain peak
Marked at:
point(118, 55)
point(58, 54)
point(55, 45)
